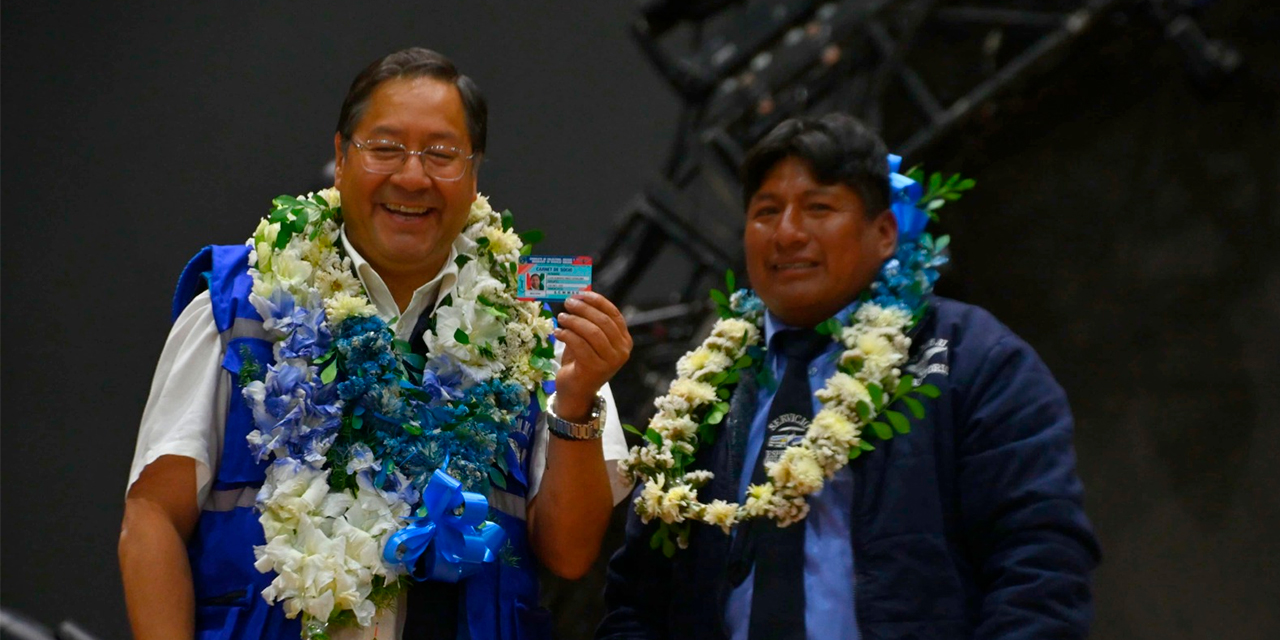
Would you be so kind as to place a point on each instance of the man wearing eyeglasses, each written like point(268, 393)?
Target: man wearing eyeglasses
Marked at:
point(410, 138)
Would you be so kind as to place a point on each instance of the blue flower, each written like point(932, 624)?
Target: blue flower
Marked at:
point(904, 196)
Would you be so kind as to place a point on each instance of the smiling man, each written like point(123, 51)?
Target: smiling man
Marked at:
point(409, 143)
point(970, 525)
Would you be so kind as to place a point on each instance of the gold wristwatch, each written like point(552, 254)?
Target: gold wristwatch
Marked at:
point(589, 430)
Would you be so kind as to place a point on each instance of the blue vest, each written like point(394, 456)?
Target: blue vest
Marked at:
point(500, 602)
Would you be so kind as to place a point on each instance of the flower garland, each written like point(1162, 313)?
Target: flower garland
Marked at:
point(868, 379)
point(355, 423)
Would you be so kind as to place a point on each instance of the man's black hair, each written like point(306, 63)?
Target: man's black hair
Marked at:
point(415, 62)
point(838, 149)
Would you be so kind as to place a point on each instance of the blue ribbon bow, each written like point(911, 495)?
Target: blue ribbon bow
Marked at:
point(452, 546)
point(904, 196)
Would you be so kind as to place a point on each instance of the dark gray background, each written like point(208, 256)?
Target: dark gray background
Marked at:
point(1125, 224)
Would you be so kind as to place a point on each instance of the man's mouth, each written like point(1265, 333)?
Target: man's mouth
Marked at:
point(795, 265)
point(407, 210)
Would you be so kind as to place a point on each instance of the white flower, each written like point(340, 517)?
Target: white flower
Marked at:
point(701, 362)
point(503, 243)
point(721, 514)
point(674, 427)
point(674, 503)
point(692, 391)
point(343, 305)
point(834, 426)
point(845, 390)
point(336, 279)
point(759, 497)
point(650, 498)
point(798, 469)
point(332, 196)
point(480, 211)
point(735, 330)
point(291, 270)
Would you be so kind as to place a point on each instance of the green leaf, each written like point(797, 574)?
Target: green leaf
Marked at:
point(722, 393)
point(714, 417)
point(414, 360)
point(865, 446)
point(743, 362)
point(719, 298)
point(496, 478)
point(653, 436)
point(935, 181)
point(482, 241)
point(413, 428)
point(357, 421)
point(461, 336)
point(877, 395)
point(329, 373)
point(864, 411)
point(462, 260)
point(526, 250)
point(966, 184)
point(941, 243)
point(507, 218)
point(497, 313)
point(914, 405)
point(631, 429)
point(928, 391)
point(854, 453)
point(668, 548)
point(730, 283)
point(904, 385)
point(707, 433)
point(658, 536)
point(542, 398)
point(532, 236)
point(899, 421)
point(883, 431)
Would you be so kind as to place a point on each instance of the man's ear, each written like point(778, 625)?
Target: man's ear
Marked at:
point(885, 231)
point(339, 158)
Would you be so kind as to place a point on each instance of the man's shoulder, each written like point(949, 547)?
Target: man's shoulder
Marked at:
point(973, 336)
point(967, 325)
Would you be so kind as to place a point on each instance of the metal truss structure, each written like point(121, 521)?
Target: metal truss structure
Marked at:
point(914, 69)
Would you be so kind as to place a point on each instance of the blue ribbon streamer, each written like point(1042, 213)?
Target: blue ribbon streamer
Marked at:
point(904, 198)
point(451, 546)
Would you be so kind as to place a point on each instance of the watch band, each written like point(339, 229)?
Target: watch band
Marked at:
point(590, 430)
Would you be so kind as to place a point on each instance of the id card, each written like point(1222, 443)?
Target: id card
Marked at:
point(552, 277)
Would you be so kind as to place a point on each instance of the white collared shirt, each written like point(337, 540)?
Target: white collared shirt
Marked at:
point(186, 409)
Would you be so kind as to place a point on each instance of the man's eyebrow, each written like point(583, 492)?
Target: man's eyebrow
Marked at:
point(764, 195)
point(392, 130)
point(385, 129)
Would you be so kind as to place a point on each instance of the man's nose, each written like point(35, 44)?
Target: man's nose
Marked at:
point(412, 175)
point(791, 227)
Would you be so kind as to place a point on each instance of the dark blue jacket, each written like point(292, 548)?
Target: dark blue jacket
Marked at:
point(970, 526)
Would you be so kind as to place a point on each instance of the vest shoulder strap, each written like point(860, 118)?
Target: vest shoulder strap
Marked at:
point(224, 271)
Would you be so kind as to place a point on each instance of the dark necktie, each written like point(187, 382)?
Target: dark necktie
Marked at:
point(432, 607)
point(777, 600)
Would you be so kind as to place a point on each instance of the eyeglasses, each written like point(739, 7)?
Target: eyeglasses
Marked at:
point(386, 156)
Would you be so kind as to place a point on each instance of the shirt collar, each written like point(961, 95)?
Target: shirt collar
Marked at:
point(424, 297)
point(773, 324)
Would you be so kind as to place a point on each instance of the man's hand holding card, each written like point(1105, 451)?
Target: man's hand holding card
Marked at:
point(595, 336)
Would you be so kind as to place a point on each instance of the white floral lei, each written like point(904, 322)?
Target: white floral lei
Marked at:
point(326, 544)
point(868, 379)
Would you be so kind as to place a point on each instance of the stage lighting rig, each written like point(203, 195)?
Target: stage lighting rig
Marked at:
point(914, 69)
